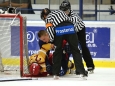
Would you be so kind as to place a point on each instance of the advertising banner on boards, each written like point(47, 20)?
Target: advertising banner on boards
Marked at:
point(97, 40)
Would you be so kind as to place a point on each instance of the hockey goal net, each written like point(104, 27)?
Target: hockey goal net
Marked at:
point(13, 45)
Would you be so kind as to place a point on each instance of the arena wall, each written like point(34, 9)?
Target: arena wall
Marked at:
point(100, 40)
point(100, 15)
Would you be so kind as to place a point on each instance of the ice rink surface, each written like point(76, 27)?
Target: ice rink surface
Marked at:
point(101, 77)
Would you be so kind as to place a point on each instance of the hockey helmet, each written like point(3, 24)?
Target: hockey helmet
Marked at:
point(65, 5)
point(12, 10)
point(34, 69)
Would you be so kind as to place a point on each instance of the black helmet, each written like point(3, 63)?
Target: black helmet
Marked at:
point(44, 13)
point(65, 5)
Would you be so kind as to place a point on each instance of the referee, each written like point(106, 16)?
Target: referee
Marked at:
point(59, 27)
point(80, 29)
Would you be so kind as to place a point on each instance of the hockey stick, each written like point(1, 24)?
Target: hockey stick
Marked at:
point(7, 80)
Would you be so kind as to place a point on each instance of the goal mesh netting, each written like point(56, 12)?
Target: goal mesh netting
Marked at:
point(13, 45)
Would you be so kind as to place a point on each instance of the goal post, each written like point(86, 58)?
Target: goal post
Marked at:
point(1, 65)
point(13, 45)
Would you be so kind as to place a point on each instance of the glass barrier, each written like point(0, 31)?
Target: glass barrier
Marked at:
point(87, 9)
point(98, 10)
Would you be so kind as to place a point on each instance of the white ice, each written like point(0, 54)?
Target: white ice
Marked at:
point(101, 77)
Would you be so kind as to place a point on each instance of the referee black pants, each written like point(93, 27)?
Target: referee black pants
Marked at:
point(85, 51)
point(73, 42)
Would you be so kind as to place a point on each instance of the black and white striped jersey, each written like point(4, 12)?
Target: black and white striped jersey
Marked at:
point(77, 21)
point(56, 17)
point(53, 19)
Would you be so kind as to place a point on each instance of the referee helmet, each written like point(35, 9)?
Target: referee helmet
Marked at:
point(65, 5)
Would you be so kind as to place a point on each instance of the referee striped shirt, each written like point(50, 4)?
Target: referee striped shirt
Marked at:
point(53, 19)
point(57, 17)
point(77, 21)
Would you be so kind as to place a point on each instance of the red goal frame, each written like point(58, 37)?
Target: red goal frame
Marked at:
point(21, 37)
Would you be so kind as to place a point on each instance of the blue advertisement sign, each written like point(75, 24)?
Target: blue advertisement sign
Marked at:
point(97, 39)
point(15, 41)
point(32, 40)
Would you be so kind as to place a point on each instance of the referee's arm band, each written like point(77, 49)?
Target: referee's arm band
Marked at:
point(49, 25)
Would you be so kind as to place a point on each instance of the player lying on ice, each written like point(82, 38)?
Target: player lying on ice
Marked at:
point(41, 64)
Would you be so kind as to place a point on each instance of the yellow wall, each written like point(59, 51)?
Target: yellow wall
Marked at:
point(98, 63)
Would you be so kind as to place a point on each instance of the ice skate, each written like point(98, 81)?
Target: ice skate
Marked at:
point(90, 70)
point(84, 76)
point(56, 77)
point(77, 74)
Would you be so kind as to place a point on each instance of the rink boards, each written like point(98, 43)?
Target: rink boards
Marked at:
point(100, 39)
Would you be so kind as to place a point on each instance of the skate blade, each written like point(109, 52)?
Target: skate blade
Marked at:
point(83, 77)
point(56, 77)
point(90, 72)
